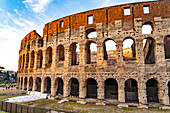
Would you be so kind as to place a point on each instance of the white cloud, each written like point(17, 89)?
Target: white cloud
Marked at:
point(37, 6)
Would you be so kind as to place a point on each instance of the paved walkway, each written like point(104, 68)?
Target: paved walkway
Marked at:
point(30, 97)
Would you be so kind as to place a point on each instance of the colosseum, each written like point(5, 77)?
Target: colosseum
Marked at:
point(71, 61)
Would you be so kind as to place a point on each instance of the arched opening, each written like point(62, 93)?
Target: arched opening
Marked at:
point(152, 91)
point(74, 53)
point(40, 43)
point(39, 59)
point(91, 33)
point(21, 82)
point(91, 88)
point(48, 57)
point(131, 91)
point(32, 59)
point(147, 28)
point(74, 87)
point(30, 84)
point(28, 48)
point(169, 90)
point(25, 83)
point(91, 52)
point(111, 89)
point(149, 50)
point(27, 60)
point(38, 84)
point(59, 86)
point(129, 49)
point(167, 47)
point(60, 53)
point(47, 85)
point(23, 62)
point(110, 53)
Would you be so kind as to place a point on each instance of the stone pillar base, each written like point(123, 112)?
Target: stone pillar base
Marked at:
point(142, 106)
point(81, 101)
point(121, 105)
point(164, 107)
point(100, 103)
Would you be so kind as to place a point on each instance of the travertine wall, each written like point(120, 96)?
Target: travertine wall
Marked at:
point(109, 23)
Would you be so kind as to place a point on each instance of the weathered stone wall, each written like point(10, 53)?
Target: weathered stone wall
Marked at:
point(109, 23)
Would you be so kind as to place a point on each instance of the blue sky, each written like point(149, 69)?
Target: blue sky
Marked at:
point(19, 17)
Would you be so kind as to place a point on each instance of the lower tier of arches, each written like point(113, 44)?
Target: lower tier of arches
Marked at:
point(107, 87)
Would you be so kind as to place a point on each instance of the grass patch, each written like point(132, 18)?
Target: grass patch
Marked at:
point(127, 109)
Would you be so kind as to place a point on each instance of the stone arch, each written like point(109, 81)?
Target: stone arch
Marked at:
point(25, 83)
point(49, 57)
point(91, 85)
point(152, 91)
point(40, 42)
point(109, 49)
point(74, 85)
point(91, 33)
point(23, 62)
point(47, 85)
point(149, 50)
point(60, 53)
point(167, 46)
point(111, 89)
point(91, 55)
point(32, 59)
point(131, 91)
point(147, 28)
point(28, 47)
point(74, 53)
point(39, 59)
point(38, 82)
point(129, 48)
point(30, 84)
point(19, 82)
point(59, 86)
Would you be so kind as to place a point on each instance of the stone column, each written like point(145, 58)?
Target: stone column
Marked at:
point(34, 80)
point(28, 81)
point(82, 61)
point(66, 57)
point(25, 62)
point(120, 62)
point(53, 88)
point(20, 83)
point(35, 61)
point(29, 62)
point(100, 54)
point(163, 93)
point(121, 93)
point(44, 59)
point(42, 85)
point(100, 92)
point(82, 90)
point(142, 93)
point(66, 89)
point(54, 56)
point(140, 56)
point(23, 82)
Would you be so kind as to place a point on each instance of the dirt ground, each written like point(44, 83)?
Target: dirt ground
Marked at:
point(88, 108)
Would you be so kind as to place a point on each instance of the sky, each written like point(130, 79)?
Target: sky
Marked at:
point(19, 17)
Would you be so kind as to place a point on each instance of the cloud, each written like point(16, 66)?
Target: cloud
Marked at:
point(37, 6)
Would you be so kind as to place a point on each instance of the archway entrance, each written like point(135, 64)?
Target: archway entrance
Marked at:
point(30, 84)
point(131, 91)
point(169, 90)
point(25, 83)
point(74, 87)
point(47, 85)
point(59, 86)
point(111, 89)
point(22, 82)
point(91, 88)
point(152, 91)
point(38, 84)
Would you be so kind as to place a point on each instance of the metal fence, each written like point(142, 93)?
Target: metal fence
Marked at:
point(16, 108)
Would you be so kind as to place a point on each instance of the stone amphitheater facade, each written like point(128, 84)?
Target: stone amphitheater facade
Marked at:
point(48, 64)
